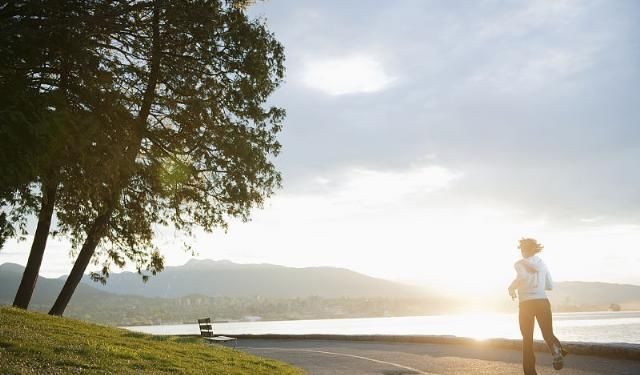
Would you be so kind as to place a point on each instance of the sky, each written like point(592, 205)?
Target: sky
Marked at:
point(423, 139)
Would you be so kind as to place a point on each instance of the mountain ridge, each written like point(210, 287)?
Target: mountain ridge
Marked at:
point(219, 278)
point(223, 278)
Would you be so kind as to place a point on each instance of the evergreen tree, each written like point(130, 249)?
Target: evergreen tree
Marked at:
point(194, 76)
point(57, 97)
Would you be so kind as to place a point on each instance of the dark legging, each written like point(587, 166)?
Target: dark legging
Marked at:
point(538, 309)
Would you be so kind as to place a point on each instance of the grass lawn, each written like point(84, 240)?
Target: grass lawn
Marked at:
point(35, 343)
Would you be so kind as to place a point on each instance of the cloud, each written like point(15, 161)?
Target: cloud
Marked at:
point(526, 17)
point(355, 191)
point(594, 219)
point(355, 74)
point(533, 100)
point(521, 72)
point(373, 186)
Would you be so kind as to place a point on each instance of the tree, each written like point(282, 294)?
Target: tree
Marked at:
point(195, 76)
point(57, 103)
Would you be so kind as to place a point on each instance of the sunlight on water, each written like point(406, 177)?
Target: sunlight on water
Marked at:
point(480, 325)
point(585, 327)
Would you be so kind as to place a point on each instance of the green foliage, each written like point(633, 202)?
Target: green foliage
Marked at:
point(6, 229)
point(141, 113)
point(203, 153)
point(37, 343)
point(57, 100)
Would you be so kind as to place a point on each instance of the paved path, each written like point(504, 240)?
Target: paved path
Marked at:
point(320, 357)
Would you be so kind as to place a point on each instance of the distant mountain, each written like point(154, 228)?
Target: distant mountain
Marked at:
point(46, 289)
point(283, 295)
point(230, 290)
point(226, 279)
point(594, 293)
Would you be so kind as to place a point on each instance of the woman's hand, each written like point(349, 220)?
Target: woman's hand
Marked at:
point(512, 293)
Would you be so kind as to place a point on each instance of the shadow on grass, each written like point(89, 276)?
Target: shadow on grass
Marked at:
point(178, 339)
point(187, 339)
point(160, 338)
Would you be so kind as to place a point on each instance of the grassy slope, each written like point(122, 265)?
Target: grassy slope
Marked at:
point(35, 343)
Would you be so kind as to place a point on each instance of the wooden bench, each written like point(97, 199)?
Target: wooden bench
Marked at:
point(206, 331)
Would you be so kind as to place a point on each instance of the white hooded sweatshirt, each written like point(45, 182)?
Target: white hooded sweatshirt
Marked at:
point(533, 279)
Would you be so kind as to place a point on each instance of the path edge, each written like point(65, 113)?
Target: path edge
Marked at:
point(609, 350)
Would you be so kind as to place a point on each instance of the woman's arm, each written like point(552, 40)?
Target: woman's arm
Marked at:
point(519, 281)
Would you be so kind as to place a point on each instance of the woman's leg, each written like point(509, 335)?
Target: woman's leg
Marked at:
point(526, 317)
point(545, 321)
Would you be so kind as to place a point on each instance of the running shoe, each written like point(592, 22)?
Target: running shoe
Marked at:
point(558, 357)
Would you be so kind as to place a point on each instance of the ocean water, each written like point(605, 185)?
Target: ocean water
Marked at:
point(603, 327)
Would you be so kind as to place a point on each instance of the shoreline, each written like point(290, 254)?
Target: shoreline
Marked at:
point(608, 350)
point(369, 317)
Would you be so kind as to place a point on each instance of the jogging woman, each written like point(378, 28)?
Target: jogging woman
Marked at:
point(531, 282)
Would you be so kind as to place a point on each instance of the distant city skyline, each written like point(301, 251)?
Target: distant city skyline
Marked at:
point(423, 139)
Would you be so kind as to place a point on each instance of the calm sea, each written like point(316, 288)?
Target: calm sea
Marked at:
point(619, 327)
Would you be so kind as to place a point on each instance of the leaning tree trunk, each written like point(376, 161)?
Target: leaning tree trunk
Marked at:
point(99, 226)
point(84, 257)
point(49, 194)
point(30, 275)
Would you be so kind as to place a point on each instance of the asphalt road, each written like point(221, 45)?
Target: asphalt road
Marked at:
point(320, 357)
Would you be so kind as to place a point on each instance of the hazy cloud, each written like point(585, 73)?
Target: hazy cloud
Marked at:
point(533, 101)
point(347, 75)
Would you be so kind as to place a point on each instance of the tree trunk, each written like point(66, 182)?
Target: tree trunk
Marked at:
point(30, 275)
point(100, 224)
point(49, 192)
point(84, 257)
